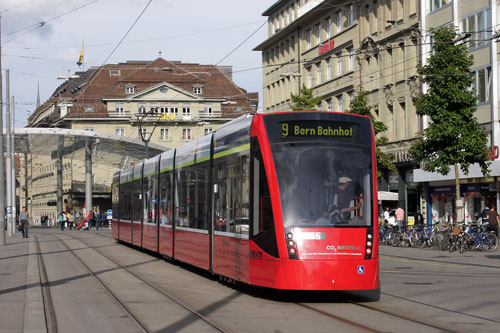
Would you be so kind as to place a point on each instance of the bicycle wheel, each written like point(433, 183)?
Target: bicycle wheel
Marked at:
point(394, 240)
point(492, 242)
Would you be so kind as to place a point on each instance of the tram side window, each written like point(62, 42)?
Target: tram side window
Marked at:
point(165, 202)
point(263, 219)
point(137, 200)
point(192, 197)
point(232, 202)
point(125, 203)
point(115, 193)
point(150, 194)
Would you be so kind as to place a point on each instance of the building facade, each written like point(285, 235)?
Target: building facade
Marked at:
point(335, 47)
point(159, 102)
point(477, 22)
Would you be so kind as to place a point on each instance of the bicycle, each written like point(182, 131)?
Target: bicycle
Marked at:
point(485, 241)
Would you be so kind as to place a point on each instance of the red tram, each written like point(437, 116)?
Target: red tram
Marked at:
point(281, 200)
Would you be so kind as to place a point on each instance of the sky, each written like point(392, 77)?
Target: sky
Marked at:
point(194, 31)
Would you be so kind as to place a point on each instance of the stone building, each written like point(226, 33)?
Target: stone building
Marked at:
point(334, 47)
point(159, 102)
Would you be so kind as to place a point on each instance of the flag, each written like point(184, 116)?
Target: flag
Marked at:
point(80, 60)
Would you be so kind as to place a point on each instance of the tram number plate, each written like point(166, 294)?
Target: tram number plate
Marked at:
point(313, 235)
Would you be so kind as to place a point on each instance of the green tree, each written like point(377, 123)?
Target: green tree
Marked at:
point(359, 105)
point(453, 136)
point(305, 100)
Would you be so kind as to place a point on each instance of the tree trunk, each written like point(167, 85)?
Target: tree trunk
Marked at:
point(459, 204)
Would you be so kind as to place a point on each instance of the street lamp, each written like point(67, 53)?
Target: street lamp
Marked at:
point(146, 137)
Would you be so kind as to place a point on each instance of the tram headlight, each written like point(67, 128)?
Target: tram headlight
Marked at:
point(289, 235)
point(292, 251)
point(369, 244)
point(368, 251)
point(291, 243)
point(369, 236)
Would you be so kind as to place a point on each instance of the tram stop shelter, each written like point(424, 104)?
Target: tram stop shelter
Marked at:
point(104, 150)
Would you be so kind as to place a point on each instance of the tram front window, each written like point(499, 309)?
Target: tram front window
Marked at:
point(323, 185)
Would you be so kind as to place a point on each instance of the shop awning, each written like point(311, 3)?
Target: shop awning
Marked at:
point(384, 195)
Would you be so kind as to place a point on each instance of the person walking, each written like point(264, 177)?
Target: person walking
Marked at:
point(24, 218)
point(494, 220)
point(400, 217)
point(61, 220)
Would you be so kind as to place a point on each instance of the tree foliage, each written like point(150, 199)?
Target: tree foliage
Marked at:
point(359, 105)
point(305, 100)
point(454, 135)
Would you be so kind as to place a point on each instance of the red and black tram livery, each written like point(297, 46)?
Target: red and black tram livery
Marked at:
point(281, 200)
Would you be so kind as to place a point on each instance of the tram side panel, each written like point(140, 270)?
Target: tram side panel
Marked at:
point(150, 222)
point(232, 215)
point(138, 204)
point(192, 198)
point(166, 232)
point(125, 206)
point(115, 198)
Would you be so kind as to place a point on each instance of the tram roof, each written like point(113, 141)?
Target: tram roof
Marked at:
point(107, 149)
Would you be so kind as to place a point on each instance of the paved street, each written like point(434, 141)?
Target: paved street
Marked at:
point(423, 290)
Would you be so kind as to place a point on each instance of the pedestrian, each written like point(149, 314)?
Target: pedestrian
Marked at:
point(484, 214)
point(24, 218)
point(419, 221)
point(104, 219)
point(386, 215)
point(61, 220)
point(70, 220)
point(400, 217)
point(494, 220)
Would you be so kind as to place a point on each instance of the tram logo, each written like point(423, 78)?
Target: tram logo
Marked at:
point(344, 248)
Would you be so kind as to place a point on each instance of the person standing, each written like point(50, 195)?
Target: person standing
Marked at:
point(494, 220)
point(24, 218)
point(484, 214)
point(400, 217)
point(419, 221)
point(386, 215)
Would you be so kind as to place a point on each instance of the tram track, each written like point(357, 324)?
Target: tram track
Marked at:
point(140, 324)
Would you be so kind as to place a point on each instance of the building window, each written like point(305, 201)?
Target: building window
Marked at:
point(479, 25)
point(90, 129)
point(197, 90)
point(340, 100)
point(120, 131)
point(309, 38)
point(339, 64)
point(483, 84)
point(174, 110)
point(120, 110)
point(339, 21)
point(403, 60)
point(318, 33)
point(186, 110)
point(328, 25)
point(208, 110)
point(164, 134)
point(329, 69)
point(401, 10)
point(350, 17)
point(186, 134)
point(390, 65)
point(129, 89)
point(163, 109)
point(329, 103)
point(208, 131)
point(351, 58)
point(142, 109)
point(319, 73)
point(114, 72)
point(436, 4)
point(309, 77)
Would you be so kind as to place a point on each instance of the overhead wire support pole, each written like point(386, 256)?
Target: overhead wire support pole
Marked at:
point(8, 160)
point(13, 159)
point(2, 169)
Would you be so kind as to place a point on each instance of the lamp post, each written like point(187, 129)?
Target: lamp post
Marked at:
point(145, 136)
